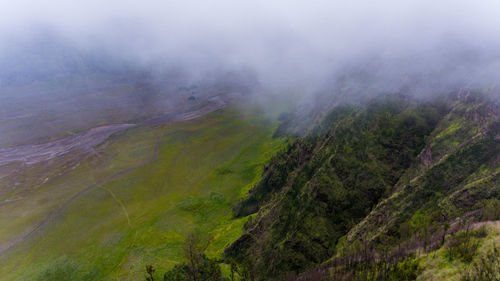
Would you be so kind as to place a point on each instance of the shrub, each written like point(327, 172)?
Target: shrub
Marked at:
point(464, 244)
point(208, 270)
point(486, 268)
point(490, 210)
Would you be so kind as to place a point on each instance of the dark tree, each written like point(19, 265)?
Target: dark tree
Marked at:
point(150, 272)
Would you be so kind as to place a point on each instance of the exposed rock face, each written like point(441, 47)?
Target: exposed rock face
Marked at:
point(426, 157)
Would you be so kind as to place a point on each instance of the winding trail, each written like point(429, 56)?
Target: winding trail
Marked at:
point(217, 104)
point(124, 209)
point(59, 210)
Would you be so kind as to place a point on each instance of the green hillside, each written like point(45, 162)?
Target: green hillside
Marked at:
point(386, 179)
point(393, 188)
point(154, 186)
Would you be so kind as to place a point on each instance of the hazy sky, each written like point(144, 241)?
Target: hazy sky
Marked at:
point(285, 42)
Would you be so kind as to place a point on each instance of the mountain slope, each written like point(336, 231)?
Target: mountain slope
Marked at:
point(457, 168)
point(364, 172)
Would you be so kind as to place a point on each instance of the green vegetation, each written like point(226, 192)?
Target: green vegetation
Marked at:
point(197, 265)
point(390, 177)
point(487, 267)
point(438, 265)
point(394, 189)
point(141, 216)
point(330, 180)
point(463, 244)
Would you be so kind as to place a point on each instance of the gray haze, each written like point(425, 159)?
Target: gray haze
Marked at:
point(297, 50)
point(289, 44)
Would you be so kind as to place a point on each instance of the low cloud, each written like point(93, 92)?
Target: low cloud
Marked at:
point(298, 46)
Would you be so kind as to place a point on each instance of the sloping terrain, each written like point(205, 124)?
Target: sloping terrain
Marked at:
point(372, 175)
point(458, 167)
point(396, 188)
point(133, 200)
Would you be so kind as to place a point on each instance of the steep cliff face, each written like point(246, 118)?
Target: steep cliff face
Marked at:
point(365, 171)
point(458, 168)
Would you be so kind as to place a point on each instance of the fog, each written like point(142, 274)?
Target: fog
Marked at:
point(286, 49)
point(289, 44)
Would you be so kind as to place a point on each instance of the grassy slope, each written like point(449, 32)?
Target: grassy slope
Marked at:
point(432, 161)
point(43, 188)
point(202, 167)
point(462, 170)
point(341, 177)
point(436, 266)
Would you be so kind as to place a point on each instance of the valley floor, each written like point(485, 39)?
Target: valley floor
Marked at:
point(133, 200)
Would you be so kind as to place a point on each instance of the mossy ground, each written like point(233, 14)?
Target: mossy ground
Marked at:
point(111, 232)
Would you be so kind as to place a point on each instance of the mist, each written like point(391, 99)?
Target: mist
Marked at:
point(289, 50)
point(288, 44)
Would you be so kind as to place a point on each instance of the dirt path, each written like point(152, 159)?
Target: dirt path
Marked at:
point(124, 208)
point(217, 104)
